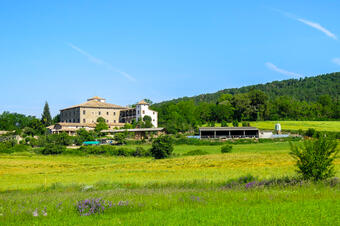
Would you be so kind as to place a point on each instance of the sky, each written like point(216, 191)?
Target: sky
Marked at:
point(65, 52)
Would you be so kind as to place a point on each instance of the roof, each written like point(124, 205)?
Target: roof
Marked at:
point(133, 130)
point(226, 128)
point(96, 98)
point(96, 104)
point(143, 102)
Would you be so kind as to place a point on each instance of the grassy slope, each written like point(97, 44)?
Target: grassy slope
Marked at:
point(331, 126)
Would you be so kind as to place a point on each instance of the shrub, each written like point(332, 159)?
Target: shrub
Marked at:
point(52, 149)
point(141, 152)
point(310, 132)
point(224, 124)
point(120, 138)
point(235, 123)
point(226, 148)
point(196, 152)
point(162, 147)
point(315, 158)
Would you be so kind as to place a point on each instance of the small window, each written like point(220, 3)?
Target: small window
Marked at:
point(153, 112)
point(84, 112)
point(114, 121)
point(138, 112)
point(84, 120)
point(107, 121)
point(143, 112)
point(114, 113)
point(107, 113)
point(99, 113)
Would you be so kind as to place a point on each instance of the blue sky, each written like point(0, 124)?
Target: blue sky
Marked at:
point(124, 51)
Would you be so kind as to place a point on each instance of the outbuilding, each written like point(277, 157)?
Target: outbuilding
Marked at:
point(228, 132)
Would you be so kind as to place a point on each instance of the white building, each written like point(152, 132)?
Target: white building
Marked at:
point(142, 109)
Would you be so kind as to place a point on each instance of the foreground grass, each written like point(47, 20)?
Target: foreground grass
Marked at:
point(305, 205)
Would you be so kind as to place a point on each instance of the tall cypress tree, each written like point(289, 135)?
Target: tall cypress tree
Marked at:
point(46, 118)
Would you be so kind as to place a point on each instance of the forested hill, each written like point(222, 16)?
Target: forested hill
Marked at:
point(303, 89)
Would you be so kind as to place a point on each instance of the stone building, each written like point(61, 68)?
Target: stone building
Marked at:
point(85, 115)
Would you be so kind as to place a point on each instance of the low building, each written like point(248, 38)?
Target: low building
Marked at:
point(71, 128)
point(139, 132)
point(228, 132)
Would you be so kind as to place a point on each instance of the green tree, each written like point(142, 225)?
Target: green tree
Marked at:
point(147, 121)
point(101, 125)
point(56, 119)
point(46, 118)
point(162, 147)
point(314, 159)
point(120, 138)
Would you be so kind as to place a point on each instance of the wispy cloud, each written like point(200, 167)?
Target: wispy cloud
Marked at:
point(101, 62)
point(273, 67)
point(336, 61)
point(312, 24)
point(318, 27)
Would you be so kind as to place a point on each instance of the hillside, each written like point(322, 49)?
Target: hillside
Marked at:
point(308, 89)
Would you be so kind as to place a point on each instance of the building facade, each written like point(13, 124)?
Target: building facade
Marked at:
point(138, 113)
point(85, 115)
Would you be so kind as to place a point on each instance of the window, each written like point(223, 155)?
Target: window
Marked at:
point(143, 112)
point(153, 112)
point(107, 113)
point(84, 120)
point(99, 113)
point(114, 121)
point(138, 112)
point(107, 121)
point(114, 113)
point(84, 112)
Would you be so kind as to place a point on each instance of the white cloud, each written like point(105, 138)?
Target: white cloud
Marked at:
point(101, 62)
point(273, 67)
point(308, 23)
point(318, 27)
point(336, 61)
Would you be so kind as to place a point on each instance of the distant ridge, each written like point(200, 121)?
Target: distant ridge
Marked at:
point(307, 89)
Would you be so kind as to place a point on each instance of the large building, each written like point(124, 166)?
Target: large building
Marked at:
point(85, 115)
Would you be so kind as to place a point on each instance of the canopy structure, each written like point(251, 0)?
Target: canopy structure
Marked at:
point(229, 132)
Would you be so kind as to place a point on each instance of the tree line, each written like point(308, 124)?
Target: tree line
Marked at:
point(254, 105)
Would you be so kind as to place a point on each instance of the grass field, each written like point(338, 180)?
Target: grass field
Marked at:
point(184, 190)
point(331, 126)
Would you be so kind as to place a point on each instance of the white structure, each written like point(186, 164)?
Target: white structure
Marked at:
point(278, 128)
point(142, 109)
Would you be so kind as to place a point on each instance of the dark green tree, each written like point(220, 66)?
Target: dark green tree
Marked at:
point(101, 125)
point(147, 121)
point(314, 159)
point(162, 147)
point(46, 118)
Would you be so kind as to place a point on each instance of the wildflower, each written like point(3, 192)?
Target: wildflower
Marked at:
point(251, 184)
point(35, 213)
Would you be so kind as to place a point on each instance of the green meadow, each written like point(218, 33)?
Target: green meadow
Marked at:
point(330, 126)
point(182, 190)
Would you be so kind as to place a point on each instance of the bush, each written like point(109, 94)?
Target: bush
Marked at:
point(235, 123)
point(52, 149)
point(315, 158)
point(226, 148)
point(120, 138)
point(310, 132)
point(162, 147)
point(141, 152)
point(196, 152)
